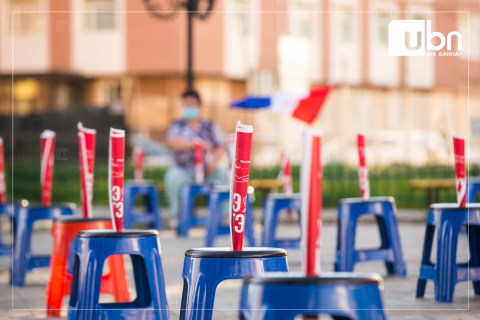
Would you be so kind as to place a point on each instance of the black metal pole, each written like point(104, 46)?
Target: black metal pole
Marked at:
point(189, 48)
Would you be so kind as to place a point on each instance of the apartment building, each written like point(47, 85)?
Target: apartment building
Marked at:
point(97, 53)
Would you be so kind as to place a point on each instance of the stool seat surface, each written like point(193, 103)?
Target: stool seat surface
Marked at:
point(454, 206)
point(227, 252)
point(114, 234)
point(73, 219)
point(284, 196)
point(70, 205)
point(326, 278)
point(372, 200)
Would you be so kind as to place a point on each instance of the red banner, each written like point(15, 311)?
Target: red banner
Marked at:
point(286, 173)
point(362, 167)
point(86, 150)
point(239, 184)
point(3, 189)
point(47, 140)
point(138, 155)
point(116, 163)
point(311, 190)
point(199, 165)
point(460, 181)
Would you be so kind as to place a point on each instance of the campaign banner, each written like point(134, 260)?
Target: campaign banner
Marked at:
point(286, 173)
point(239, 184)
point(116, 164)
point(362, 167)
point(47, 141)
point(138, 155)
point(460, 180)
point(199, 165)
point(311, 191)
point(86, 151)
point(3, 188)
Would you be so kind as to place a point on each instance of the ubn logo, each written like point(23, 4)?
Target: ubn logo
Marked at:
point(408, 38)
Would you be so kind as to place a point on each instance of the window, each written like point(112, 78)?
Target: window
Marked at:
point(302, 18)
point(241, 17)
point(26, 22)
point(345, 24)
point(382, 27)
point(99, 15)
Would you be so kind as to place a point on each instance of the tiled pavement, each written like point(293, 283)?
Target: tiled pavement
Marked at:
point(400, 301)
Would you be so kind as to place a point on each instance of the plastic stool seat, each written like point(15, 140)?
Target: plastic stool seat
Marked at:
point(152, 215)
point(446, 220)
point(205, 268)
point(23, 260)
point(91, 249)
point(217, 196)
point(64, 229)
point(274, 203)
point(223, 252)
point(342, 295)
point(390, 251)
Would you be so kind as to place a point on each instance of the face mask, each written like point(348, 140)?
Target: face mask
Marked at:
point(190, 113)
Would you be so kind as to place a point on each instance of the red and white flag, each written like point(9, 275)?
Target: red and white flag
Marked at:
point(239, 184)
point(138, 155)
point(311, 190)
point(362, 167)
point(199, 165)
point(460, 181)
point(3, 188)
point(286, 173)
point(86, 148)
point(116, 164)
point(47, 140)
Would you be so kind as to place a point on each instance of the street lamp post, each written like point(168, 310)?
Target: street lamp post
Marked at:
point(165, 9)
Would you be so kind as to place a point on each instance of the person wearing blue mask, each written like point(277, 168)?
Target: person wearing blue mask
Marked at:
point(181, 138)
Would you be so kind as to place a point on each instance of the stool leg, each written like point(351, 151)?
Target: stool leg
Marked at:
point(213, 219)
point(382, 228)
point(269, 223)
point(427, 251)
point(199, 299)
point(185, 211)
point(474, 241)
point(393, 237)
point(445, 273)
point(89, 276)
point(118, 281)
point(347, 243)
point(154, 207)
point(156, 280)
point(22, 249)
point(56, 287)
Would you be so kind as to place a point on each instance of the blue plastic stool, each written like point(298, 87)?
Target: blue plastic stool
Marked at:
point(10, 211)
point(23, 260)
point(188, 193)
point(447, 219)
point(473, 187)
point(217, 197)
point(90, 249)
point(153, 214)
point(341, 295)
point(390, 251)
point(205, 268)
point(274, 203)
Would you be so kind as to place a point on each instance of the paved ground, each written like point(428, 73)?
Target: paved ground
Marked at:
point(399, 294)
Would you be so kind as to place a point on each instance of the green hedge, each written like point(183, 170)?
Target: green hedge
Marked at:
point(339, 181)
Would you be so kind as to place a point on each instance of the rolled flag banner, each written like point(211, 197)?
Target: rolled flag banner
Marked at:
point(3, 189)
point(286, 173)
point(86, 146)
point(116, 163)
point(460, 181)
point(311, 190)
point(239, 184)
point(199, 165)
point(138, 155)
point(47, 140)
point(362, 168)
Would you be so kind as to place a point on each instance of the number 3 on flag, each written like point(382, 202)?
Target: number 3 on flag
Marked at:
point(116, 196)
point(237, 201)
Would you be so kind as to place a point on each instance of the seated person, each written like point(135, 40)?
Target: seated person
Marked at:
point(180, 138)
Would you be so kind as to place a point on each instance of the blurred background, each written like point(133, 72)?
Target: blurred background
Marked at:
point(112, 63)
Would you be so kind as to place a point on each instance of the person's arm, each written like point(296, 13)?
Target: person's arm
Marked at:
point(217, 155)
point(178, 144)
